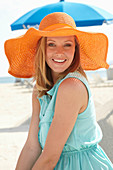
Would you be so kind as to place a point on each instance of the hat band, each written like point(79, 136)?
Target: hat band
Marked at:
point(57, 26)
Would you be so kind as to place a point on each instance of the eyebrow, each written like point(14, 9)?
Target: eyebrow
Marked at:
point(51, 40)
point(68, 41)
point(64, 41)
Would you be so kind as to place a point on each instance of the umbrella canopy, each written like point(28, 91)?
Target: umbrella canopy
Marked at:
point(84, 15)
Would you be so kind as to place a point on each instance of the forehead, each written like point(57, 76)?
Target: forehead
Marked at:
point(62, 38)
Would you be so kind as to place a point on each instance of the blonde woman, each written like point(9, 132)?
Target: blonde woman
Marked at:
point(63, 133)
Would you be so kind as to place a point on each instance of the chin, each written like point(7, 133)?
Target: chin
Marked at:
point(59, 71)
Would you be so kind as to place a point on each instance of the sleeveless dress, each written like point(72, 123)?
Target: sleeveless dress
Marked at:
point(81, 151)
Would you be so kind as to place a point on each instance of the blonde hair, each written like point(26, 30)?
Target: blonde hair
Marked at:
point(43, 77)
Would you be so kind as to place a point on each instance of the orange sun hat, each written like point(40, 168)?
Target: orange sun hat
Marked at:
point(21, 51)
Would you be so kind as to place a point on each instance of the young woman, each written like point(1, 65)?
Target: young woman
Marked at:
point(63, 133)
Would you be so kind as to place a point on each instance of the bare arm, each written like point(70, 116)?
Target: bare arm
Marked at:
point(71, 99)
point(32, 149)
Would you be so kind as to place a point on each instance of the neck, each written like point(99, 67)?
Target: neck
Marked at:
point(55, 77)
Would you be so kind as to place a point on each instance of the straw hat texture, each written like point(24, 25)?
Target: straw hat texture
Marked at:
point(21, 51)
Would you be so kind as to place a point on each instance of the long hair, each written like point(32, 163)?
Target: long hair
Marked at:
point(43, 76)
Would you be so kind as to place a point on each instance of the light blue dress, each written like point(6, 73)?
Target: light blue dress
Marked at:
point(81, 151)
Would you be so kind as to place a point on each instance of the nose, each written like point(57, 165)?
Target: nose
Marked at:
point(58, 55)
point(59, 50)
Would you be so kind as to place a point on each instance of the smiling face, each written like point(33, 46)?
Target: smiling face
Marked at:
point(59, 53)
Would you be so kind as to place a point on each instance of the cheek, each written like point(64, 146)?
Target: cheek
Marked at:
point(71, 53)
point(73, 50)
point(49, 53)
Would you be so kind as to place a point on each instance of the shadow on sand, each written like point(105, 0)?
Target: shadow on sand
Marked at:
point(24, 127)
point(107, 130)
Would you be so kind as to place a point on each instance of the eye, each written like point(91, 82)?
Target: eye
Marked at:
point(51, 45)
point(67, 45)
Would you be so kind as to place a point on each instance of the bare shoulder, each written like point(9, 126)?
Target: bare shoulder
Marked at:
point(35, 100)
point(74, 91)
point(34, 91)
point(72, 85)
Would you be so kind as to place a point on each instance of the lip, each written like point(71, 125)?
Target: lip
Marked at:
point(60, 63)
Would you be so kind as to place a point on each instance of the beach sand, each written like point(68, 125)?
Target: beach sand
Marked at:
point(15, 114)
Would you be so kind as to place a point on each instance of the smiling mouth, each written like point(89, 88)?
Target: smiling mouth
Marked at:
point(59, 61)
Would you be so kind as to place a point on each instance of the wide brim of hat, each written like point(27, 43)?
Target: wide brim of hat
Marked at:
point(21, 51)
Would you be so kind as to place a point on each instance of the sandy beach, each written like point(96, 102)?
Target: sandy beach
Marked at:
point(15, 114)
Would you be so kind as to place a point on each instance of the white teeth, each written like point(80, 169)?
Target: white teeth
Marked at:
point(60, 61)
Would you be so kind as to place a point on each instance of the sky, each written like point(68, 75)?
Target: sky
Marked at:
point(13, 9)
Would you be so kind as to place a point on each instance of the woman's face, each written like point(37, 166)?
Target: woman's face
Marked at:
point(60, 52)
